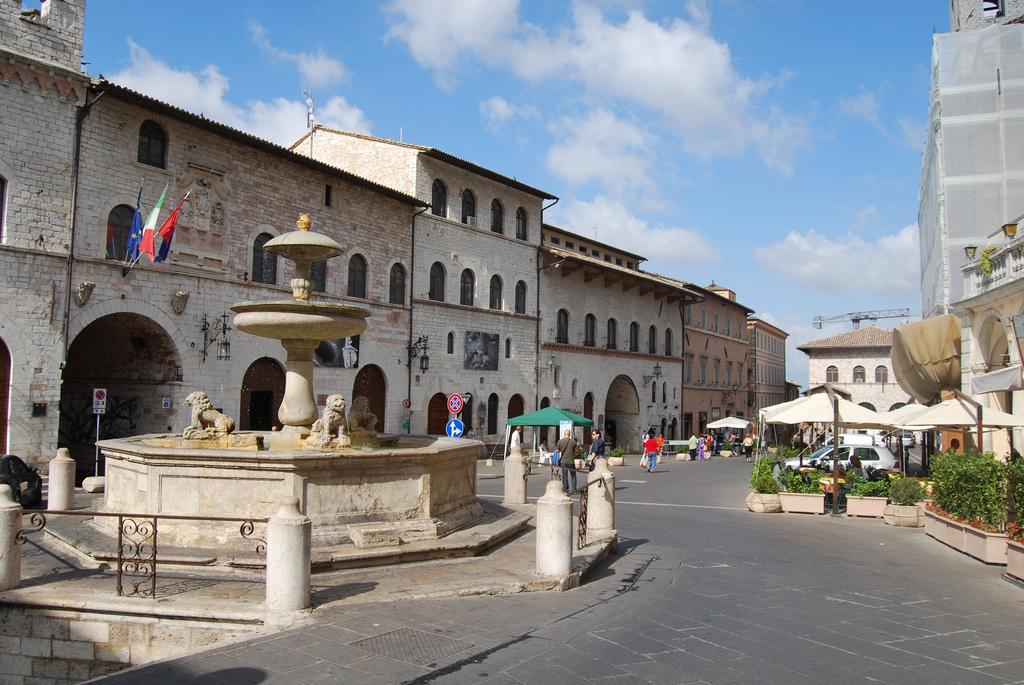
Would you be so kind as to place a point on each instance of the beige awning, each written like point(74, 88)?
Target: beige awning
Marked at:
point(926, 357)
point(817, 408)
point(1000, 380)
point(960, 413)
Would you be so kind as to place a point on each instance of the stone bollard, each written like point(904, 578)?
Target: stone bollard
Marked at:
point(515, 483)
point(289, 541)
point(10, 550)
point(554, 532)
point(62, 481)
point(601, 503)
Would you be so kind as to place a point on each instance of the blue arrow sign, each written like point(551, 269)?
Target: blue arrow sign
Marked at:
point(454, 429)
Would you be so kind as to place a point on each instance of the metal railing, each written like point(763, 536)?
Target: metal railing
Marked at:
point(582, 491)
point(137, 543)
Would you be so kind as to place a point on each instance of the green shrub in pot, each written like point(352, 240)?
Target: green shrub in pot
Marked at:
point(617, 452)
point(862, 487)
point(761, 479)
point(905, 492)
point(971, 487)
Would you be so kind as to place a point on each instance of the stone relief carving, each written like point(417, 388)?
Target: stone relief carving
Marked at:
point(332, 428)
point(204, 208)
point(207, 422)
point(83, 291)
point(179, 301)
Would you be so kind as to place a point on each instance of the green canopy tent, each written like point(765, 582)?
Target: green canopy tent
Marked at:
point(546, 417)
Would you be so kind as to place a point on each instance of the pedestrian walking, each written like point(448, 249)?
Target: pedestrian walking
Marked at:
point(650, 458)
point(693, 446)
point(517, 438)
point(596, 449)
point(700, 449)
point(661, 446)
point(748, 447)
point(566, 449)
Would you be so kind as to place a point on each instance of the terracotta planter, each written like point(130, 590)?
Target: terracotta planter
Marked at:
point(865, 506)
point(802, 503)
point(985, 546)
point(616, 461)
point(1015, 559)
point(904, 516)
point(763, 504)
point(946, 531)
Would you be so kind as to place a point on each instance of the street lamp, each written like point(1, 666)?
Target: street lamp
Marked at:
point(970, 251)
point(216, 332)
point(419, 349)
point(656, 374)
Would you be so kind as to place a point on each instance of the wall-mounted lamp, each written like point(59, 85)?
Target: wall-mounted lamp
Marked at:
point(419, 349)
point(1010, 230)
point(216, 332)
point(656, 375)
point(970, 251)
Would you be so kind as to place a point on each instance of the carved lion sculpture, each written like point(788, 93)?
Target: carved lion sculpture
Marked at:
point(331, 429)
point(360, 418)
point(207, 422)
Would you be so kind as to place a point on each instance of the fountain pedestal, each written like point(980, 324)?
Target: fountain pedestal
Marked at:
point(298, 408)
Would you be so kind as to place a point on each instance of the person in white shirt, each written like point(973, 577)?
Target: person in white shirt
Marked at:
point(545, 453)
point(517, 437)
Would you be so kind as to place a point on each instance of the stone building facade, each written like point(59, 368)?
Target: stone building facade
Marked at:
point(766, 372)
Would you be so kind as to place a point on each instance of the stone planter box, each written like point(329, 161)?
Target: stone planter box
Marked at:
point(866, 506)
point(763, 504)
point(1015, 559)
point(904, 516)
point(982, 545)
point(726, 453)
point(616, 461)
point(802, 503)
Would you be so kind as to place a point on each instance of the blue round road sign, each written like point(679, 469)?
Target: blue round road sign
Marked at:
point(455, 403)
point(454, 428)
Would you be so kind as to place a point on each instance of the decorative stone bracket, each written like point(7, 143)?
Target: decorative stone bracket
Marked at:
point(83, 291)
point(179, 301)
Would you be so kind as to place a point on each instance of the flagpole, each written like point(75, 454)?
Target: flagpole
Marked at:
point(125, 270)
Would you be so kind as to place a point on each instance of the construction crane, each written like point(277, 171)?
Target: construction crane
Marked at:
point(856, 317)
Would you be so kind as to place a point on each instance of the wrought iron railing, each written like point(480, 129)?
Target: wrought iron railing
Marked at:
point(137, 543)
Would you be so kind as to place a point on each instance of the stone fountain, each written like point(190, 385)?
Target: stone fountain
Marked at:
point(363, 491)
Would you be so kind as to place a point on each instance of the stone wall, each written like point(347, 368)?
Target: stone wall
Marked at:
point(43, 647)
point(54, 35)
point(881, 396)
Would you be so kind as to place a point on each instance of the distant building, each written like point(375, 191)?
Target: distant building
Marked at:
point(856, 362)
point(967, 15)
point(766, 372)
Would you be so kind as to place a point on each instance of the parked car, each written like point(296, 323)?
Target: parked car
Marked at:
point(25, 482)
point(876, 457)
point(909, 440)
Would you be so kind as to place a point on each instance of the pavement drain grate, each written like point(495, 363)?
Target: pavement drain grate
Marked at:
point(415, 646)
point(705, 564)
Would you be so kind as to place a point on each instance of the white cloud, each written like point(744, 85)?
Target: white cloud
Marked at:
point(848, 264)
point(279, 120)
point(913, 132)
point(865, 215)
point(497, 111)
point(864, 106)
point(317, 69)
point(675, 69)
point(602, 147)
point(617, 225)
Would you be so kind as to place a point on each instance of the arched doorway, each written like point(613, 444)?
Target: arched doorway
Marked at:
point(261, 395)
point(5, 393)
point(673, 429)
point(136, 360)
point(622, 414)
point(515, 406)
point(370, 384)
point(995, 353)
point(664, 426)
point(437, 414)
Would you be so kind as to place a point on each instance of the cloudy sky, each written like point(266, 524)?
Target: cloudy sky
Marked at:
point(772, 146)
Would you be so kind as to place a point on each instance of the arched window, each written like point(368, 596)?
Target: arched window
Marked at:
point(562, 328)
point(589, 330)
point(634, 337)
point(613, 332)
point(492, 414)
point(357, 276)
point(439, 198)
point(396, 285)
point(668, 342)
point(508, 348)
point(152, 144)
point(521, 297)
point(467, 288)
point(654, 391)
point(451, 343)
point(497, 216)
point(318, 276)
point(494, 301)
point(521, 231)
point(119, 225)
point(264, 264)
point(468, 207)
point(858, 374)
point(664, 391)
point(831, 375)
point(437, 278)
point(881, 374)
point(652, 340)
point(575, 387)
point(3, 198)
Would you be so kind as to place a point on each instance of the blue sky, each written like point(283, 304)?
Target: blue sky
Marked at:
point(771, 146)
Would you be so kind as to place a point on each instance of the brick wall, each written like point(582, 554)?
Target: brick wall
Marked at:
point(879, 395)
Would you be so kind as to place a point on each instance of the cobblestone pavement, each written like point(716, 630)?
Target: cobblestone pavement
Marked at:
point(701, 592)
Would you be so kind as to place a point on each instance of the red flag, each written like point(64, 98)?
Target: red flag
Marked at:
point(166, 233)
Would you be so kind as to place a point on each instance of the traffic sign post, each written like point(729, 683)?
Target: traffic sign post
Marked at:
point(99, 407)
point(454, 428)
point(455, 403)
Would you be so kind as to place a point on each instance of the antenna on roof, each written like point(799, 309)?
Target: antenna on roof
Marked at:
point(401, 135)
point(310, 116)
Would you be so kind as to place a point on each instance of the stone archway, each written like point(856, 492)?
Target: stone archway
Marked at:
point(370, 384)
point(135, 359)
point(437, 414)
point(515, 406)
point(261, 394)
point(622, 414)
point(5, 393)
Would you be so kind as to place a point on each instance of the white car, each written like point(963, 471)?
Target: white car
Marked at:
point(874, 457)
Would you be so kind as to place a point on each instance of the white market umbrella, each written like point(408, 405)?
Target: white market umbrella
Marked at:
point(960, 413)
point(818, 408)
point(730, 422)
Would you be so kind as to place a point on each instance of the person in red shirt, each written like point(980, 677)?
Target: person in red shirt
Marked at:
point(651, 453)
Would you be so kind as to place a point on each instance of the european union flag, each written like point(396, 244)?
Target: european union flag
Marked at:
point(135, 234)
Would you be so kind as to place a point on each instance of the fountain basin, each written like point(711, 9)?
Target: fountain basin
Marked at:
point(297, 320)
point(409, 488)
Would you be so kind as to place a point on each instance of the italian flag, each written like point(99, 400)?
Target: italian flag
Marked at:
point(149, 230)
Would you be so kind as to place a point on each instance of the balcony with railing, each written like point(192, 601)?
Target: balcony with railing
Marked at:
point(992, 266)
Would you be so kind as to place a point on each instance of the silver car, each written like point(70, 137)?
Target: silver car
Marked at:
point(875, 457)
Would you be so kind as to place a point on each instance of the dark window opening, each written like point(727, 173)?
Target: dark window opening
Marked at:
point(439, 198)
point(152, 144)
point(357, 276)
point(396, 285)
point(264, 264)
point(437, 278)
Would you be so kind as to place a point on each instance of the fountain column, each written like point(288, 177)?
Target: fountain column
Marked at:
point(298, 408)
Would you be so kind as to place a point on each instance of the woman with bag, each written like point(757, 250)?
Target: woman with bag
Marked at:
point(650, 458)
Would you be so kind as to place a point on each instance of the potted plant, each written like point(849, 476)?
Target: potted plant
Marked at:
point(866, 497)
point(1015, 551)
point(904, 511)
point(764, 495)
point(802, 493)
point(617, 457)
point(969, 507)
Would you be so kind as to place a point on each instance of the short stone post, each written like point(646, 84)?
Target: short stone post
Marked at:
point(601, 503)
point(62, 481)
point(554, 532)
point(10, 550)
point(289, 541)
point(515, 481)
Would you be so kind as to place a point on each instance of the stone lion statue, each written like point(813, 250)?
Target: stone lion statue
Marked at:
point(331, 429)
point(207, 422)
point(360, 418)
